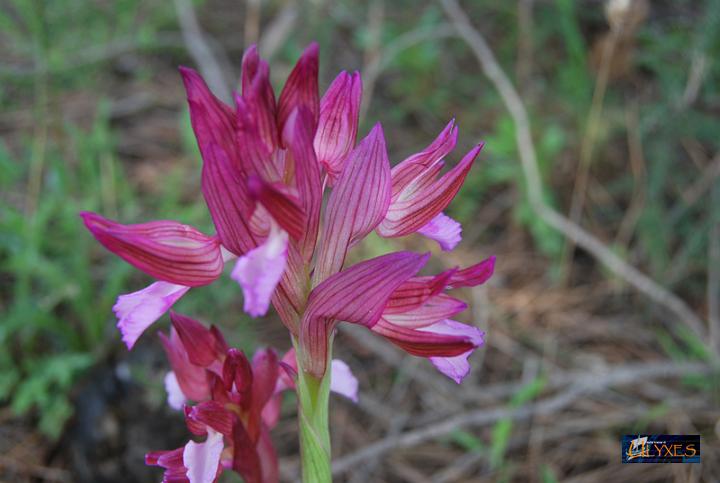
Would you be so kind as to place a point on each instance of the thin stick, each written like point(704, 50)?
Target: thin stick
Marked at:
point(200, 50)
point(528, 159)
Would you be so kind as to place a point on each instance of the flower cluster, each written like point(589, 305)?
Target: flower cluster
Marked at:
point(267, 165)
point(238, 403)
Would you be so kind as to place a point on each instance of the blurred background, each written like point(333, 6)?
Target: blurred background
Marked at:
point(598, 190)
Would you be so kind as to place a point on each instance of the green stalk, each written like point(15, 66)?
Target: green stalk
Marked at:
point(313, 398)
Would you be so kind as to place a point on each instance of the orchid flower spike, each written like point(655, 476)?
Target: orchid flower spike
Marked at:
point(267, 162)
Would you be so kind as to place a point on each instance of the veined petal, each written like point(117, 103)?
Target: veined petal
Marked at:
point(282, 206)
point(237, 371)
point(297, 136)
point(259, 271)
point(358, 202)
point(172, 461)
point(167, 250)
point(301, 88)
point(138, 310)
point(259, 95)
point(213, 416)
point(204, 347)
point(202, 460)
point(455, 367)
point(256, 157)
point(343, 381)
point(212, 120)
point(423, 342)
point(437, 308)
point(443, 230)
point(190, 378)
point(416, 291)
point(405, 174)
point(357, 295)
point(474, 275)
point(175, 396)
point(230, 206)
point(414, 206)
point(338, 124)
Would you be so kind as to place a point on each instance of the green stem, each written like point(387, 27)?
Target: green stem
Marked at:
point(313, 398)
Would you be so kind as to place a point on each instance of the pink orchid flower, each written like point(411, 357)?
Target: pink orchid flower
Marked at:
point(237, 404)
point(266, 165)
point(267, 162)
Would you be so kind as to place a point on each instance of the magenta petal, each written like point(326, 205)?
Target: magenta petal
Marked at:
point(210, 416)
point(281, 205)
point(138, 310)
point(338, 124)
point(301, 88)
point(358, 202)
point(228, 201)
point(212, 120)
point(298, 138)
point(343, 381)
point(202, 460)
point(422, 198)
point(436, 308)
point(175, 397)
point(259, 97)
point(474, 275)
point(443, 230)
point(259, 271)
point(167, 250)
point(455, 367)
point(191, 378)
point(204, 347)
point(357, 295)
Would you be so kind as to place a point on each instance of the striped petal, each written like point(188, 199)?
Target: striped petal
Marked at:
point(417, 196)
point(282, 206)
point(357, 295)
point(298, 137)
point(423, 342)
point(166, 250)
point(260, 98)
point(474, 275)
point(204, 347)
point(338, 124)
point(358, 202)
point(212, 120)
point(191, 378)
point(230, 205)
point(301, 88)
point(436, 308)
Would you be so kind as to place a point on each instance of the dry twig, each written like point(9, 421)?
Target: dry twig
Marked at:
point(528, 159)
point(200, 50)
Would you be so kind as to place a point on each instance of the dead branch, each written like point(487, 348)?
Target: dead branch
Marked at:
point(528, 159)
point(200, 50)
